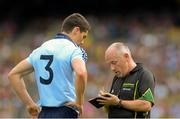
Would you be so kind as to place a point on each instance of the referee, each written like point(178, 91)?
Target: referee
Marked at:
point(131, 94)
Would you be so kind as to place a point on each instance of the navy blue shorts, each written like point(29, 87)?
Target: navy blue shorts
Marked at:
point(58, 112)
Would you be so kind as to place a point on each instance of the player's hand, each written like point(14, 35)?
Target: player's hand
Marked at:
point(33, 110)
point(79, 108)
point(108, 99)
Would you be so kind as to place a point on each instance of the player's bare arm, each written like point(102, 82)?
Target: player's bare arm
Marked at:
point(81, 81)
point(16, 79)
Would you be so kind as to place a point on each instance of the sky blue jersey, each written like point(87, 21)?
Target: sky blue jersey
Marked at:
point(53, 70)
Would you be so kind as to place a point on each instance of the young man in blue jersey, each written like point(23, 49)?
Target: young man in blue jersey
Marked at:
point(60, 72)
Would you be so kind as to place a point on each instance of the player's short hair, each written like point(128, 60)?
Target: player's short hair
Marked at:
point(75, 20)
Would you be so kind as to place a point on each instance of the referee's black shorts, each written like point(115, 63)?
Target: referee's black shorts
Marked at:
point(58, 112)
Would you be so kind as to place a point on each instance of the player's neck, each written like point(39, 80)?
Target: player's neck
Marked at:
point(69, 35)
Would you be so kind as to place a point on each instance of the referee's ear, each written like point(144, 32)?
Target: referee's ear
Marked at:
point(126, 56)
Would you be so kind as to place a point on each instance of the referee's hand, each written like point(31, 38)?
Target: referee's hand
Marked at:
point(33, 110)
point(108, 99)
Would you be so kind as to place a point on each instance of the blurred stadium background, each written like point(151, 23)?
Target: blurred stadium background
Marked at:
point(151, 29)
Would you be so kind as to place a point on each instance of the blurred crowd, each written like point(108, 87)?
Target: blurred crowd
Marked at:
point(154, 40)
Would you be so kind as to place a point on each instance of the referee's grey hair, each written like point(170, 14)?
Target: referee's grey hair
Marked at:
point(121, 48)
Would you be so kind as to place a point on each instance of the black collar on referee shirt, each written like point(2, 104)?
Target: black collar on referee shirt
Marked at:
point(60, 35)
point(138, 67)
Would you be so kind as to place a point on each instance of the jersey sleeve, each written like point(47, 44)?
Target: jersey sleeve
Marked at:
point(146, 87)
point(79, 53)
point(30, 58)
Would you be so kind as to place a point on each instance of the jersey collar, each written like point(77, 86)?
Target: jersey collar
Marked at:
point(60, 36)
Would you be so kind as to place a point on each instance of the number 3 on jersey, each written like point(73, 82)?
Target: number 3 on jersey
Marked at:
point(48, 69)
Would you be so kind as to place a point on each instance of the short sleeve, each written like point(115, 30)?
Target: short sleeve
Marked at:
point(30, 58)
point(146, 86)
point(79, 53)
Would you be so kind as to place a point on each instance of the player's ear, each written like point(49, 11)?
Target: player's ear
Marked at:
point(75, 30)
